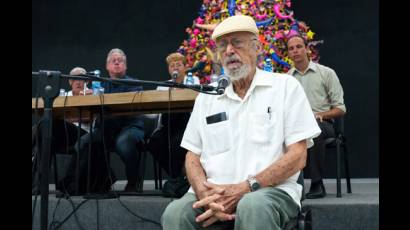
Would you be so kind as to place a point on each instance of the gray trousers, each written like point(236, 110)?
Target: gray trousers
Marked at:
point(268, 208)
point(316, 154)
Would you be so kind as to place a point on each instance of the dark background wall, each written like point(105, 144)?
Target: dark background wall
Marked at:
point(73, 33)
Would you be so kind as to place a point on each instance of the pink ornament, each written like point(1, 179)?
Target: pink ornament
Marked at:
point(199, 20)
point(276, 9)
point(211, 43)
point(292, 33)
point(278, 35)
point(261, 16)
point(192, 43)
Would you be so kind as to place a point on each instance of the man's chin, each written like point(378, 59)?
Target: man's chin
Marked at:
point(235, 77)
point(238, 73)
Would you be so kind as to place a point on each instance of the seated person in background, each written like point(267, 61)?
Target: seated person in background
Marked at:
point(325, 95)
point(65, 132)
point(176, 63)
point(247, 146)
point(120, 133)
point(79, 88)
point(177, 185)
point(59, 134)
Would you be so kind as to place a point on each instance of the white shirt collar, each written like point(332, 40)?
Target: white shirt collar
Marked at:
point(258, 80)
point(311, 65)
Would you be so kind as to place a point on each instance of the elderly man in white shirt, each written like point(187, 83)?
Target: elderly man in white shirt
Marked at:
point(247, 146)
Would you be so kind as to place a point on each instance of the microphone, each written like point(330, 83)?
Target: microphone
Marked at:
point(95, 72)
point(223, 82)
point(201, 88)
point(174, 75)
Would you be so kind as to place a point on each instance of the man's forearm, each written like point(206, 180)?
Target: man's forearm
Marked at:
point(331, 114)
point(195, 173)
point(291, 162)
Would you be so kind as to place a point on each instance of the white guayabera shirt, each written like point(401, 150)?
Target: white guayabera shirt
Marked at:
point(273, 114)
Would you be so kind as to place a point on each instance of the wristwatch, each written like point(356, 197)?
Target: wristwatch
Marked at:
point(253, 184)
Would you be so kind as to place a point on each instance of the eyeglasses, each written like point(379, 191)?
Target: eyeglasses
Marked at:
point(235, 42)
point(119, 60)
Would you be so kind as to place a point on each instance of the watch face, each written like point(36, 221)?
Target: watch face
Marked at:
point(255, 186)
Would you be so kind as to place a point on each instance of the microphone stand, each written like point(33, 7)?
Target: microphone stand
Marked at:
point(199, 88)
point(49, 87)
point(208, 89)
point(49, 82)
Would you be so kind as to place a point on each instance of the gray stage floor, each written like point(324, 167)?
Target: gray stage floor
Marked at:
point(362, 186)
point(359, 210)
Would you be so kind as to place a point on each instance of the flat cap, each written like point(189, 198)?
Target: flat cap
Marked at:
point(237, 23)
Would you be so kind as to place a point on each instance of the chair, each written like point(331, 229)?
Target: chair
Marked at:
point(304, 219)
point(338, 142)
point(151, 124)
point(156, 118)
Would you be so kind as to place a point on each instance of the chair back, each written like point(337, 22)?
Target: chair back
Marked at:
point(151, 123)
point(301, 181)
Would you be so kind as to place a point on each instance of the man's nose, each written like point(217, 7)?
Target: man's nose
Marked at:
point(230, 49)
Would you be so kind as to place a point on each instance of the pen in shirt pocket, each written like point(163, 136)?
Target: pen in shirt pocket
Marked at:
point(269, 112)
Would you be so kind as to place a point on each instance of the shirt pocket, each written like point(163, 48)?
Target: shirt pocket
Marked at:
point(261, 127)
point(217, 138)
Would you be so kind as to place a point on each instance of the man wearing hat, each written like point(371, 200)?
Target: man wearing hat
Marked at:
point(247, 146)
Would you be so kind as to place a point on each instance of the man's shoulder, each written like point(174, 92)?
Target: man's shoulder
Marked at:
point(206, 98)
point(275, 75)
point(291, 70)
point(281, 81)
point(284, 77)
point(325, 68)
point(129, 77)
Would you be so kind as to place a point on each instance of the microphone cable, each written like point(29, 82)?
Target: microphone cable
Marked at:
point(73, 212)
point(109, 171)
point(200, 91)
point(105, 153)
point(66, 194)
point(169, 135)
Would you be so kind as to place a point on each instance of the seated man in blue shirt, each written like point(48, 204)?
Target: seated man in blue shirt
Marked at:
point(121, 133)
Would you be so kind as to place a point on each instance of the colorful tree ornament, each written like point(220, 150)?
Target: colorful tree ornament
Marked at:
point(276, 23)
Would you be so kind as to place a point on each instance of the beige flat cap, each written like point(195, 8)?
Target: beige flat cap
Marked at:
point(235, 23)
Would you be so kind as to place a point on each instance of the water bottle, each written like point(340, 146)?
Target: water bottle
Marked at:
point(96, 86)
point(62, 92)
point(214, 80)
point(101, 90)
point(268, 65)
point(189, 79)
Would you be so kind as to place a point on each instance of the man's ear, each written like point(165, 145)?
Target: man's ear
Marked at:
point(218, 57)
point(258, 47)
point(309, 52)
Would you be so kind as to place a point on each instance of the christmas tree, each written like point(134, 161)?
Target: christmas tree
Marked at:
point(275, 21)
